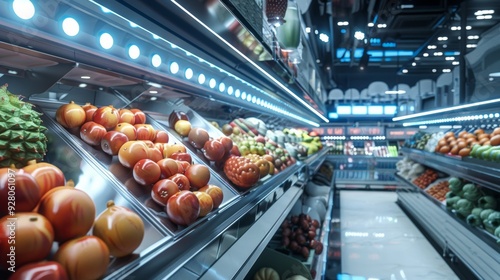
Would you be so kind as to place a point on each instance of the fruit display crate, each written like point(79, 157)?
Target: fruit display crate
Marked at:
point(482, 174)
point(123, 178)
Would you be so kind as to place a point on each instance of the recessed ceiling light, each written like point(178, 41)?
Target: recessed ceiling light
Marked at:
point(85, 77)
point(434, 70)
point(12, 72)
point(425, 54)
point(82, 85)
point(413, 64)
point(24, 9)
point(153, 98)
point(455, 63)
point(405, 71)
point(153, 91)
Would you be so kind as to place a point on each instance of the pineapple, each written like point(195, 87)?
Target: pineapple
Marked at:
point(22, 136)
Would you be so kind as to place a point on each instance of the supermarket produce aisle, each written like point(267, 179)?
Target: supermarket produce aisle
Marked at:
point(380, 242)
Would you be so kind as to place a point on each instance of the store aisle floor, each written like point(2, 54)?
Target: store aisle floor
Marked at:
point(380, 242)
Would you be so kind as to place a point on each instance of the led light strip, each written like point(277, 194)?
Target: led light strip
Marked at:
point(264, 104)
point(251, 62)
point(455, 119)
point(449, 109)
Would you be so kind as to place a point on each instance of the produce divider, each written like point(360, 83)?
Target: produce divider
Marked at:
point(98, 184)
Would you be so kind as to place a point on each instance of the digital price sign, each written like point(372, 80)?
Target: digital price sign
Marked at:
point(330, 131)
point(400, 133)
point(365, 131)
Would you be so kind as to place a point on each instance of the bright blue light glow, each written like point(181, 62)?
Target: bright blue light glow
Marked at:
point(344, 110)
point(374, 53)
point(106, 41)
point(230, 90)
point(359, 110)
point(254, 99)
point(222, 87)
point(70, 26)
point(188, 73)
point(105, 10)
point(174, 67)
point(237, 93)
point(24, 9)
point(134, 52)
point(343, 31)
point(201, 79)
point(333, 115)
point(375, 110)
point(258, 101)
point(249, 97)
point(243, 95)
point(389, 44)
point(212, 83)
point(390, 110)
point(156, 60)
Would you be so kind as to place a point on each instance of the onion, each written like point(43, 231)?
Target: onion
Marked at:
point(70, 211)
point(31, 236)
point(121, 229)
point(70, 115)
point(84, 258)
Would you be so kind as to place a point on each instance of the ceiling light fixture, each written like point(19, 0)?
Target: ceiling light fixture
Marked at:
point(404, 71)
point(425, 54)
point(446, 70)
point(443, 110)
point(308, 29)
point(450, 58)
point(381, 25)
point(455, 63)
point(251, 62)
point(438, 54)
point(371, 24)
point(85, 77)
point(395, 91)
point(413, 64)
point(359, 35)
point(431, 47)
point(471, 46)
point(494, 74)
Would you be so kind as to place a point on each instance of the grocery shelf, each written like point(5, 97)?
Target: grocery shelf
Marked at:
point(475, 247)
point(483, 175)
point(249, 247)
point(315, 161)
point(451, 235)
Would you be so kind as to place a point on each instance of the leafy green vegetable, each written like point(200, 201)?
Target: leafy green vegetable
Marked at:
point(471, 192)
point(455, 185)
point(464, 208)
point(487, 202)
point(485, 213)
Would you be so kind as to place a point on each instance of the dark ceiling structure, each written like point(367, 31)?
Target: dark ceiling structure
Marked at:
point(395, 41)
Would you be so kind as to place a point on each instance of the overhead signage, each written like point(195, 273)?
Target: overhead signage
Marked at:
point(400, 133)
point(365, 131)
point(330, 131)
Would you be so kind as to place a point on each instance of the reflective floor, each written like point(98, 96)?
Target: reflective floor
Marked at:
point(380, 242)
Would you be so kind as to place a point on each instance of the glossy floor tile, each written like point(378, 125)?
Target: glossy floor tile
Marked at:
point(380, 242)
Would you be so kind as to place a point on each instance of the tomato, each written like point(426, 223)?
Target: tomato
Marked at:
point(145, 132)
point(181, 181)
point(126, 116)
point(70, 211)
point(113, 141)
point(24, 238)
point(107, 116)
point(168, 167)
point(161, 136)
point(139, 115)
point(128, 130)
point(92, 133)
point(163, 190)
point(146, 172)
point(89, 111)
point(206, 203)
point(183, 208)
point(215, 192)
point(198, 175)
point(197, 137)
point(44, 270)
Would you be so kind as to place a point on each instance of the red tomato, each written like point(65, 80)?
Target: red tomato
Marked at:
point(47, 175)
point(168, 167)
point(183, 208)
point(198, 175)
point(128, 130)
point(146, 172)
point(181, 181)
point(126, 116)
point(92, 133)
point(45, 270)
point(140, 117)
point(131, 152)
point(21, 184)
point(107, 116)
point(70, 115)
point(215, 192)
point(163, 190)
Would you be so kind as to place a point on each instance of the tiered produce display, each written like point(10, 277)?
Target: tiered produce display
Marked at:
point(49, 227)
point(476, 205)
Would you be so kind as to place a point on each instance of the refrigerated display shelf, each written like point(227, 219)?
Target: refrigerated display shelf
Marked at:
point(449, 233)
point(483, 175)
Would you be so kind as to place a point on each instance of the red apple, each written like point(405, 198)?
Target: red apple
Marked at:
point(154, 154)
point(183, 208)
point(198, 175)
point(92, 133)
point(159, 146)
point(139, 115)
point(146, 172)
point(126, 116)
point(145, 132)
point(227, 143)
point(197, 137)
point(169, 149)
point(161, 136)
point(206, 203)
point(213, 150)
point(89, 111)
point(183, 166)
point(168, 167)
point(163, 190)
point(215, 192)
point(113, 141)
point(181, 156)
point(131, 152)
point(181, 181)
point(106, 116)
point(128, 130)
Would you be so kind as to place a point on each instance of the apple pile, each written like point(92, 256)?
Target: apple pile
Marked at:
point(176, 184)
point(299, 235)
